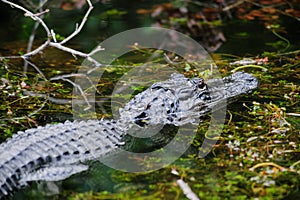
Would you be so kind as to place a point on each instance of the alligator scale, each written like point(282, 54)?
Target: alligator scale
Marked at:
point(55, 152)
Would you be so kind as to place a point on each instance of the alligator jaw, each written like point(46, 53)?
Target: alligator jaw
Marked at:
point(231, 86)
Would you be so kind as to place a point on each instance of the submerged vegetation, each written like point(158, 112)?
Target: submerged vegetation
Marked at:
point(257, 154)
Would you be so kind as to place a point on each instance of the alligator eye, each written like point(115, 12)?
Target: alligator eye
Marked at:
point(140, 122)
point(156, 87)
point(141, 119)
point(198, 83)
point(250, 79)
point(204, 96)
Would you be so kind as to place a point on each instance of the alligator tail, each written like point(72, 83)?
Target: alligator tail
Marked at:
point(54, 152)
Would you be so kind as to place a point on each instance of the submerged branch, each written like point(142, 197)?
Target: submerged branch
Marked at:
point(188, 192)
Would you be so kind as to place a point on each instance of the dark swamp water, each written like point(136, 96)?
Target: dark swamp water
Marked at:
point(257, 155)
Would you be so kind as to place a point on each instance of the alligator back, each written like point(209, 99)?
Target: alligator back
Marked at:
point(166, 102)
point(54, 152)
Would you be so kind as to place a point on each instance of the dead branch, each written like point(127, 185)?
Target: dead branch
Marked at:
point(50, 34)
point(75, 75)
point(51, 42)
point(78, 28)
point(235, 4)
point(81, 92)
point(36, 68)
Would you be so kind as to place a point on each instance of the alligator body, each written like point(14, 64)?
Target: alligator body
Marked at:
point(55, 152)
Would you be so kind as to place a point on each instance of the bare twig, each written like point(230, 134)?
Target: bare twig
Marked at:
point(47, 97)
point(39, 14)
point(78, 28)
point(235, 4)
point(81, 92)
point(293, 114)
point(38, 17)
point(96, 50)
point(187, 190)
point(30, 43)
point(36, 25)
point(32, 16)
point(29, 115)
point(28, 4)
point(67, 49)
point(29, 14)
point(37, 69)
point(50, 35)
point(37, 50)
point(65, 78)
point(75, 75)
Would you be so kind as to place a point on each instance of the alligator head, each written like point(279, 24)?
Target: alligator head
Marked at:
point(180, 100)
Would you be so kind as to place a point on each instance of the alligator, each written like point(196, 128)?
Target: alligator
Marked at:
point(57, 151)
